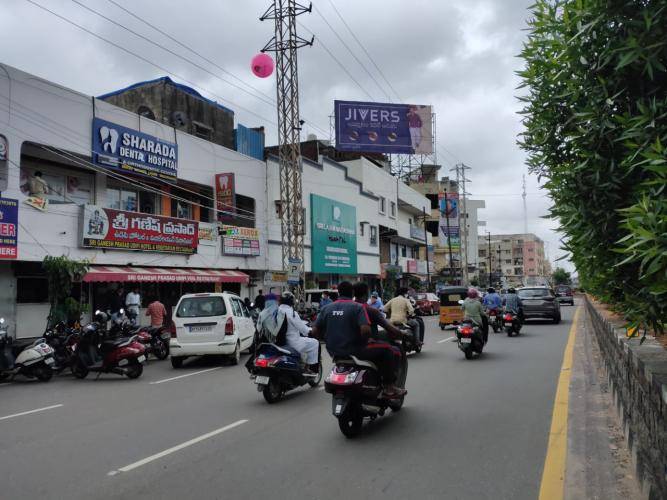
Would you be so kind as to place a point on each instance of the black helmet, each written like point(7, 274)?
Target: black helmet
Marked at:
point(287, 298)
point(491, 290)
point(101, 317)
point(511, 290)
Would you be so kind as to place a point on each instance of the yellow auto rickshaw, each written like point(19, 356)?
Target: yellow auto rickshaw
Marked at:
point(450, 309)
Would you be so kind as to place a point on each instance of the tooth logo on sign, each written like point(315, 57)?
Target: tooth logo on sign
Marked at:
point(109, 138)
point(336, 213)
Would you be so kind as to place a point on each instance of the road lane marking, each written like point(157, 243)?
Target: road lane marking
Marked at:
point(176, 448)
point(553, 475)
point(445, 340)
point(184, 376)
point(30, 411)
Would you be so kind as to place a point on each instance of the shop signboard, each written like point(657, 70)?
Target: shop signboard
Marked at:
point(333, 236)
point(417, 233)
point(278, 278)
point(375, 127)
point(241, 241)
point(225, 196)
point(208, 234)
point(450, 236)
point(9, 227)
point(411, 266)
point(111, 229)
point(120, 148)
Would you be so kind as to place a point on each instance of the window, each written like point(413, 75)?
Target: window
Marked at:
point(61, 186)
point(392, 209)
point(145, 111)
point(202, 131)
point(383, 205)
point(181, 209)
point(374, 235)
point(410, 221)
point(482, 253)
point(529, 293)
point(404, 251)
point(361, 228)
point(237, 307)
point(198, 307)
point(531, 260)
point(131, 200)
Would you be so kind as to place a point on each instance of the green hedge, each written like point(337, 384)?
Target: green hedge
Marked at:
point(595, 113)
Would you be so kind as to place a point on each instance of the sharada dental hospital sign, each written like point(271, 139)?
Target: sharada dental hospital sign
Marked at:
point(127, 150)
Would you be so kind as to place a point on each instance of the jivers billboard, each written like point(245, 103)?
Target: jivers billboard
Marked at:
point(243, 241)
point(116, 229)
point(383, 128)
point(334, 236)
point(225, 197)
point(127, 150)
point(9, 222)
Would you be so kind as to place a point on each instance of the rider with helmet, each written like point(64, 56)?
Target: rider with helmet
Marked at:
point(512, 303)
point(474, 311)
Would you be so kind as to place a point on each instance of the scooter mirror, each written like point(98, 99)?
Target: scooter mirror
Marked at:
point(122, 311)
point(2, 321)
point(460, 302)
point(97, 312)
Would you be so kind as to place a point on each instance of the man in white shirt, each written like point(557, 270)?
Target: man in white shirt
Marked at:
point(297, 333)
point(133, 303)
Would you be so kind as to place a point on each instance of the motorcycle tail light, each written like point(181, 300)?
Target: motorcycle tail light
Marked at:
point(346, 378)
point(466, 330)
point(508, 317)
point(262, 362)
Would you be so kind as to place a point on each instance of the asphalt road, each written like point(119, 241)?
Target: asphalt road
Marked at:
point(469, 429)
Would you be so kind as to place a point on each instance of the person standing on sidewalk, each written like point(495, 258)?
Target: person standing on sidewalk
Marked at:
point(157, 312)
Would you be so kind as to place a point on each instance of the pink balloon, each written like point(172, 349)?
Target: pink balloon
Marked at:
point(262, 65)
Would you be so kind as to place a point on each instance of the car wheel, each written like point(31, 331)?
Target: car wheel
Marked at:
point(235, 358)
point(556, 319)
point(177, 362)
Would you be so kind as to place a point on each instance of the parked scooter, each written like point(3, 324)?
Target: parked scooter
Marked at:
point(62, 339)
point(512, 323)
point(96, 352)
point(34, 361)
point(277, 369)
point(155, 340)
point(356, 389)
point(470, 338)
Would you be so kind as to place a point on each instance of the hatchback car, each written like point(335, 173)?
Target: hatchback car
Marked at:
point(539, 302)
point(428, 303)
point(210, 323)
point(564, 294)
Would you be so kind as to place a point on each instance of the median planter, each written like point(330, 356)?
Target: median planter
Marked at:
point(638, 378)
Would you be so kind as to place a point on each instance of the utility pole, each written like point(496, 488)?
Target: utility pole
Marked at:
point(428, 271)
point(461, 180)
point(490, 258)
point(284, 44)
point(449, 240)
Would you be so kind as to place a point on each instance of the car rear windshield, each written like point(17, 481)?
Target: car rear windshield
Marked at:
point(197, 307)
point(563, 288)
point(531, 293)
point(421, 296)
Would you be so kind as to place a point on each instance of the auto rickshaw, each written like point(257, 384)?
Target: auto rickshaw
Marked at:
point(450, 309)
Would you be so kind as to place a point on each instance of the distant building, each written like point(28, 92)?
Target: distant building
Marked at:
point(516, 259)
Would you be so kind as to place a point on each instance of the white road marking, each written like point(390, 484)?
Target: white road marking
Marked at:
point(445, 340)
point(184, 376)
point(30, 411)
point(176, 448)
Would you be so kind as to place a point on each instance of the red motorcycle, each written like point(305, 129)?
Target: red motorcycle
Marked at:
point(155, 340)
point(96, 352)
point(495, 320)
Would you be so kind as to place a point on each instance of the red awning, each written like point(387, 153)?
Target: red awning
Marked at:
point(163, 275)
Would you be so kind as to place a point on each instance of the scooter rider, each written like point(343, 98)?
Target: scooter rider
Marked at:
point(345, 326)
point(399, 310)
point(473, 310)
point(512, 303)
point(297, 333)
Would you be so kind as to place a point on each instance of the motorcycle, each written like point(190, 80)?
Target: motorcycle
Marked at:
point(356, 389)
point(512, 323)
point(495, 320)
point(470, 339)
point(276, 370)
point(155, 340)
point(62, 339)
point(34, 361)
point(96, 352)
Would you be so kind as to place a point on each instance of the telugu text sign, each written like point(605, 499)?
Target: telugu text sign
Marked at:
point(120, 230)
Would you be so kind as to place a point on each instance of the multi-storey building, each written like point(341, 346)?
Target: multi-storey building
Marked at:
point(512, 258)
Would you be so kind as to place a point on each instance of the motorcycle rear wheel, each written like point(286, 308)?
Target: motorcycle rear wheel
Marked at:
point(350, 422)
point(161, 350)
point(43, 373)
point(79, 370)
point(468, 353)
point(315, 382)
point(272, 392)
point(135, 370)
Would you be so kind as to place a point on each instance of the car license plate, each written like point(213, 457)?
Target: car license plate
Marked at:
point(48, 361)
point(466, 340)
point(141, 358)
point(262, 380)
point(198, 329)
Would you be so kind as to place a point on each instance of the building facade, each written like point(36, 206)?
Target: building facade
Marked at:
point(515, 259)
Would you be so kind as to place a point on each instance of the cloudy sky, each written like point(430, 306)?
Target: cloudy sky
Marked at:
point(458, 55)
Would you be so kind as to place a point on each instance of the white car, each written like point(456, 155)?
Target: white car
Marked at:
point(210, 324)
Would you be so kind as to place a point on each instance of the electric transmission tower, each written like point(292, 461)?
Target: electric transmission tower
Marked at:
point(461, 180)
point(285, 44)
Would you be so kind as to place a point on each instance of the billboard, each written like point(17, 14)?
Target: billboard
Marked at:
point(449, 220)
point(121, 148)
point(373, 127)
point(9, 228)
point(243, 241)
point(333, 236)
point(120, 230)
point(225, 195)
